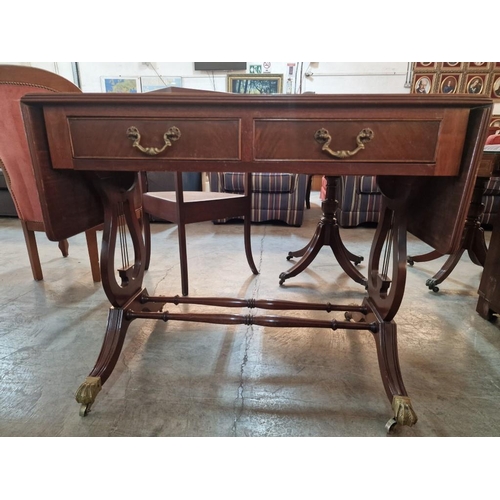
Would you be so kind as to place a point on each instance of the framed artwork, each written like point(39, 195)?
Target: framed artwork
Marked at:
point(150, 83)
point(494, 127)
point(425, 66)
point(476, 83)
point(452, 66)
point(120, 84)
point(423, 83)
point(449, 83)
point(495, 86)
point(457, 77)
point(255, 84)
point(495, 122)
point(478, 66)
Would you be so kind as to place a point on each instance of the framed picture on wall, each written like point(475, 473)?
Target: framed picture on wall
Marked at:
point(478, 66)
point(120, 84)
point(495, 86)
point(423, 83)
point(255, 84)
point(494, 124)
point(425, 66)
point(452, 66)
point(449, 83)
point(476, 83)
point(150, 83)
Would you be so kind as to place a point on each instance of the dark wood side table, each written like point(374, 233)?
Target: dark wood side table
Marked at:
point(420, 147)
point(488, 303)
point(473, 241)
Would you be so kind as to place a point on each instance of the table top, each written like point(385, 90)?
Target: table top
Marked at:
point(427, 146)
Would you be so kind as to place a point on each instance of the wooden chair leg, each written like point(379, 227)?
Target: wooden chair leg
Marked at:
point(29, 237)
point(248, 244)
point(91, 236)
point(64, 247)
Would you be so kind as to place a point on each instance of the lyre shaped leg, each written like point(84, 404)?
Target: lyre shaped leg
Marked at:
point(118, 193)
point(386, 292)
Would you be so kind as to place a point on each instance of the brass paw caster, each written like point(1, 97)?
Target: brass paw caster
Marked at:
point(87, 393)
point(403, 413)
point(389, 426)
point(85, 410)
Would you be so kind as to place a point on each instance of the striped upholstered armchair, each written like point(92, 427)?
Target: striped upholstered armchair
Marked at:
point(359, 199)
point(491, 200)
point(274, 196)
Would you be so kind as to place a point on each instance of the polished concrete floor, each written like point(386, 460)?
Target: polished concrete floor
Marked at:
point(194, 379)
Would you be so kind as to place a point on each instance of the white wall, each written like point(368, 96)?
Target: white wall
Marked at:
point(327, 77)
point(322, 77)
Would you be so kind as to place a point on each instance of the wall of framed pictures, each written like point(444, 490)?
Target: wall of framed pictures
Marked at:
point(457, 78)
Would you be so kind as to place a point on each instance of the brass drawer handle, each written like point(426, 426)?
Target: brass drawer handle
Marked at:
point(323, 137)
point(172, 134)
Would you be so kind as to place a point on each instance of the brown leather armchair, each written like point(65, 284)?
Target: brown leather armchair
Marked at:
point(16, 164)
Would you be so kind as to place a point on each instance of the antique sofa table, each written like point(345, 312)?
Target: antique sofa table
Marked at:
point(425, 151)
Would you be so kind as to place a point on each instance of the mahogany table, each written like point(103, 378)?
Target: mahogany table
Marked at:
point(473, 241)
point(488, 304)
point(425, 151)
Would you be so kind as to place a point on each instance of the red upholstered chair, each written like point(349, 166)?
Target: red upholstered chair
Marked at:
point(15, 158)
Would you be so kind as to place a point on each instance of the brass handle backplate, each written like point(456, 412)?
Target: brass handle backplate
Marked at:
point(172, 134)
point(323, 137)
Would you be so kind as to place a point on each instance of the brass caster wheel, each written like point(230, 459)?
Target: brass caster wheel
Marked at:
point(348, 316)
point(410, 262)
point(282, 278)
point(391, 424)
point(85, 409)
point(289, 257)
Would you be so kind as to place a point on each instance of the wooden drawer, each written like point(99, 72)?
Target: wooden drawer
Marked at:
point(393, 140)
point(101, 138)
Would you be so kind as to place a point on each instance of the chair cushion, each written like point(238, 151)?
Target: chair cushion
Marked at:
point(233, 182)
point(492, 186)
point(368, 185)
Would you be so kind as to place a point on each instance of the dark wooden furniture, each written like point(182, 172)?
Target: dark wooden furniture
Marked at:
point(425, 150)
point(488, 303)
point(327, 234)
point(473, 241)
point(187, 207)
point(27, 193)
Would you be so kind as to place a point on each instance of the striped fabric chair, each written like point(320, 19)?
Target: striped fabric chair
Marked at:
point(359, 200)
point(275, 196)
point(491, 200)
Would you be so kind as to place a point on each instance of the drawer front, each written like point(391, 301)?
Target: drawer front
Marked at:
point(201, 139)
point(393, 140)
